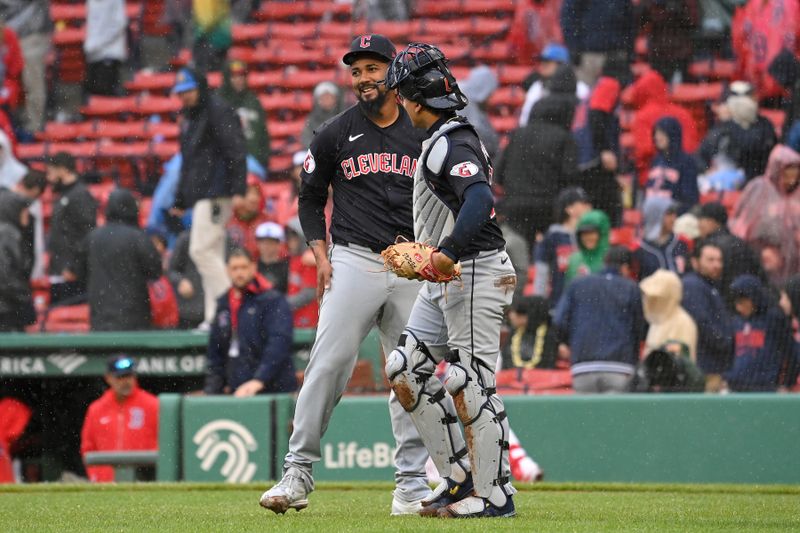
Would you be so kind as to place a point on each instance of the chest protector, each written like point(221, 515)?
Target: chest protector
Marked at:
point(433, 218)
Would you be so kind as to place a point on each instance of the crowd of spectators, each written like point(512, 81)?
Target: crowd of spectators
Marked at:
point(677, 250)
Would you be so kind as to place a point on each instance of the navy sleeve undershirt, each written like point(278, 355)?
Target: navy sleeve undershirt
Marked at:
point(475, 212)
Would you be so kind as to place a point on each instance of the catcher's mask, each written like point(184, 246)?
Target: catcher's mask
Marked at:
point(421, 75)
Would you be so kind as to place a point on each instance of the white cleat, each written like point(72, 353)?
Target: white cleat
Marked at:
point(289, 493)
point(402, 507)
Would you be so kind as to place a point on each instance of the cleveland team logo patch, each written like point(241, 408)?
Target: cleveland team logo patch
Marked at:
point(465, 169)
point(308, 163)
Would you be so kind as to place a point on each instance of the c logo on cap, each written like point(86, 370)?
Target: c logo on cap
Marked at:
point(365, 39)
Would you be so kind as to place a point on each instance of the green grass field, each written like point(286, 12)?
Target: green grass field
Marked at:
point(365, 507)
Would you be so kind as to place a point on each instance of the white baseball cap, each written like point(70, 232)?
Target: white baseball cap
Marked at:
point(270, 230)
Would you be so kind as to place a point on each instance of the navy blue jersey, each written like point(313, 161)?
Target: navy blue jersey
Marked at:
point(467, 163)
point(371, 171)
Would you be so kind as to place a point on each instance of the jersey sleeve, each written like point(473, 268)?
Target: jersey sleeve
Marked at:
point(319, 165)
point(463, 168)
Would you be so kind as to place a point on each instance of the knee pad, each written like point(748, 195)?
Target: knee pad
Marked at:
point(408, 367)
point(470, 390)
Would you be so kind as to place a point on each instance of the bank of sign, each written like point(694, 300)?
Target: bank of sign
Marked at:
point(58, 365)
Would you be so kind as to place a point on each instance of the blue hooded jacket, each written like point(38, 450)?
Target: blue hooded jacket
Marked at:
point(602, 317)
point(673, 172)
point(763, 340)
point(703, 302)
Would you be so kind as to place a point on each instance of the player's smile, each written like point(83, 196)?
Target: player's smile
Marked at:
point(368, 91)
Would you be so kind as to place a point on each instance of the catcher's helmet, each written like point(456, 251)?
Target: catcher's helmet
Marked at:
point(421, 75)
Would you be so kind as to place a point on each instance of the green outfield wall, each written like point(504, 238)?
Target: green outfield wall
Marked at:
point(632, 438)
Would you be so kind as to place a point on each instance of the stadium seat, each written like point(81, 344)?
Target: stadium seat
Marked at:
point(513, 74)
point(696, 93)
point(536, 380)
point(297, 103)
point(777, 117)
point(632, 218)
point(508, 98)
point(248, 33)
point(151, 81)
point(713, 69)
point(164, 150)
point(504, 124)
point(623, 236)
point(107, 106)
point(67, 319)
point(64, 131)
point(145, 206)
point(289, 31)
point(342, 31)
point(162, 130)
point(157, 105)
point(120, 130)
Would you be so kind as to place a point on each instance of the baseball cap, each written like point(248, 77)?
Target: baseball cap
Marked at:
point(62, 160)
point(715, 211)
point(270, 230)
point(374, 44)
point(120, 365)
point(184, 81)
point(554, 52)
point(237, 67)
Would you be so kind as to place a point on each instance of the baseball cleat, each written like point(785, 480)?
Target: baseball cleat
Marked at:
point(403, 507)
point(475, 507)
point(448, 492)
point(289, 493)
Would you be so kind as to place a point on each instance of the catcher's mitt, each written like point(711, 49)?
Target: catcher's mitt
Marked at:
point(412, 260)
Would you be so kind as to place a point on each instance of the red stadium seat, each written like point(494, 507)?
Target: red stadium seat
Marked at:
point(777, 117)
point(157, 105)
point(294, 102)
point(151, 81)
point(281, 129)
point(165, 130)
point(120, 130)
point(248, 33)
point(145, 206)
point(696, 93)
point(632, 218)
point(106, 106)
point(61, 131)
point(504, 124)
point(623, 236)
point(165, 150)
point(67, 319)
point(509, 98)
point(713, 69)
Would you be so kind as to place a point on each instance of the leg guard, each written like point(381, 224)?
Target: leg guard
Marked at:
point(410, 369)
point(485, 425)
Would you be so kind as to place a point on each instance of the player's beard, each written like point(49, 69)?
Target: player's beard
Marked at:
point(373, 107)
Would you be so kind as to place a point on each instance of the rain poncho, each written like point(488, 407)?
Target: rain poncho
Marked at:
point(768, 215)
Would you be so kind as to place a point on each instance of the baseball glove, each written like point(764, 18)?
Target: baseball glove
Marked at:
point(412, 260)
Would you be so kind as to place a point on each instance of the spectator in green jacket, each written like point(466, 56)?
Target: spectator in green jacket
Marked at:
point(593, 233)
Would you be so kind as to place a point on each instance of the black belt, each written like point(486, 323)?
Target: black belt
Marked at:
point(482, 253)
point(377, 248)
